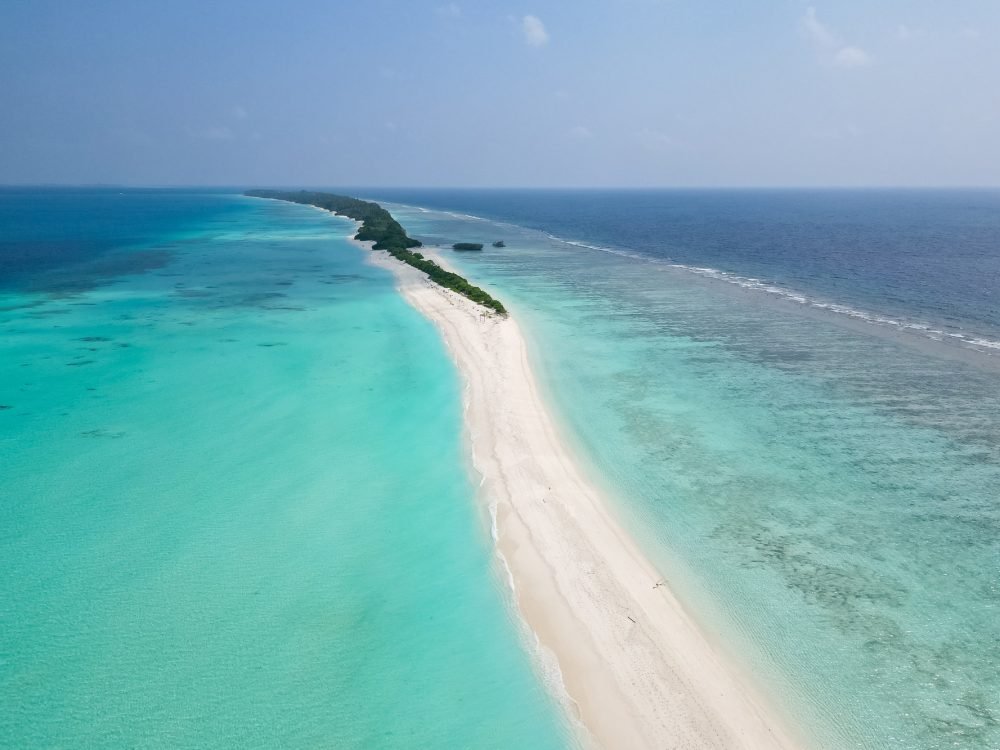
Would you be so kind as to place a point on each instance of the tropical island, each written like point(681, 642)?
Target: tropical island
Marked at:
point(379, 227)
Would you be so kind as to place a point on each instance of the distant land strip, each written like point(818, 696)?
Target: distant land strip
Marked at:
point(378, 226)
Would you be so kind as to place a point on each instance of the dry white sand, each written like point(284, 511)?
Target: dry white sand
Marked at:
point(637, 670)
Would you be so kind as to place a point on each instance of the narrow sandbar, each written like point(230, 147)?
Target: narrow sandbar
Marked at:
point(636, 669)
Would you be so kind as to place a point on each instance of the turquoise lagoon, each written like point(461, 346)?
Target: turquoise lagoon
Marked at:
point(820, 490)
point(235, 509)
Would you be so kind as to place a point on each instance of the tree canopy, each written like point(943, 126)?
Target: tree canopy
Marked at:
point(378, 226)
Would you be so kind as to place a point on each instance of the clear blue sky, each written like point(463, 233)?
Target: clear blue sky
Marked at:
point(540, 93)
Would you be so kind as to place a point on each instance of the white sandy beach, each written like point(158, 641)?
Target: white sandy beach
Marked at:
point(637, 670)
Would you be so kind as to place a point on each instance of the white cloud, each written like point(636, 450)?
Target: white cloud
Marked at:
point(831, 48)
point(240, 113)
point(534, 31)
point(851, 57)
point(818, 31)
point(580, 133)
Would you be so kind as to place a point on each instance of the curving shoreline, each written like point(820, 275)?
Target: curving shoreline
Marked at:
point(637, 670)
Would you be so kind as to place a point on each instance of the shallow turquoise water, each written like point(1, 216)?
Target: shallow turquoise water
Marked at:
point(234, 509)
point(823, 493)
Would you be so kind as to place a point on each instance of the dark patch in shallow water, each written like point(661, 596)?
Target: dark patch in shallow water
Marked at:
point(22, 257)
point(93, 338)
point(73, 280)
point(101, 271)
point(256, 299)
point(102, 433)
point(81, 363)
point(274, 343)
point(22, 306)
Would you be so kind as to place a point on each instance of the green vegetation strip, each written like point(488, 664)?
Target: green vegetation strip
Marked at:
point(378, 226)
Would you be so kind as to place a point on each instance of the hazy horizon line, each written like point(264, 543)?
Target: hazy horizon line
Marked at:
point(568, 188)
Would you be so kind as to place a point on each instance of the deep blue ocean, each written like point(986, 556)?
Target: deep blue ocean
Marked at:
point(917, 256)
